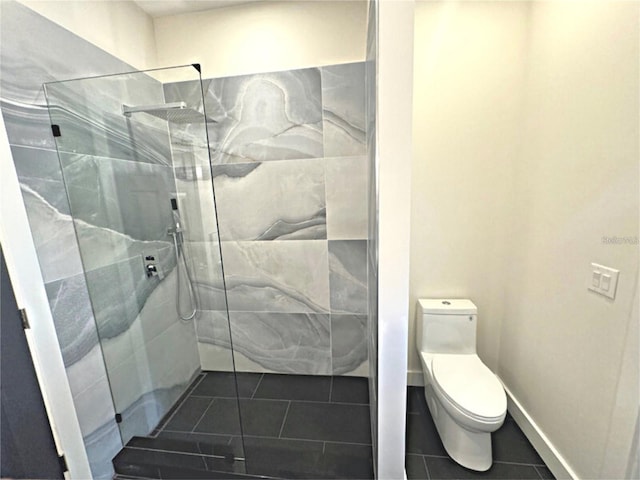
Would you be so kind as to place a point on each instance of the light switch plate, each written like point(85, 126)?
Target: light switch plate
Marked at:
point(608, 280)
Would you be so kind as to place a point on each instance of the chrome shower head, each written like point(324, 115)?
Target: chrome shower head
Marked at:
point(176, 112)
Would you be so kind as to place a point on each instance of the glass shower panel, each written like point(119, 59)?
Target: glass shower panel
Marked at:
point(136, 170)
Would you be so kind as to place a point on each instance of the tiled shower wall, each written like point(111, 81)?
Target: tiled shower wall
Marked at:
point(33, 51)
point(119, 179)
point(288, 151)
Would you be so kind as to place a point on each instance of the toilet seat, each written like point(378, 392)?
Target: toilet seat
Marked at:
point(468, 384)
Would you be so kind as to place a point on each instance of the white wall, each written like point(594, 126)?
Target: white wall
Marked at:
point(120, 28)
point(265, 36)
point(394, 146)
point(527, 143)
point(562, 347)
point(468, 83)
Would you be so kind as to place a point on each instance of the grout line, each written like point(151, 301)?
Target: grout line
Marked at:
point(288, 400)
point(257, 386)
point(539, 472)
point(426, 467)
point(288, 438)
point(330, 388)
point(193, 430)
point(519, 463)
point(223, 396)
point(175, 452)
point(324, 445)
point(187, 395)
point(284, 419)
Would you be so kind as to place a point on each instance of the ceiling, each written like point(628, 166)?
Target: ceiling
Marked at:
point(161, 8)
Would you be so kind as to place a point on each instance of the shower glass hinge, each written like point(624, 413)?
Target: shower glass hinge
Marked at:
point(118, 418)
point(24, 318)
point(55, 129)
point(63, 463)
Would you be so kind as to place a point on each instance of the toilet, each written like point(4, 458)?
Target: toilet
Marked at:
point(465, 399)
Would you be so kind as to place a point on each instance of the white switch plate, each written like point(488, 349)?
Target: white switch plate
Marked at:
point(608, 280)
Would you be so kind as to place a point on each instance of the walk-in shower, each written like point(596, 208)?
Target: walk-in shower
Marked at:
point(124, 151)
point(224, 258)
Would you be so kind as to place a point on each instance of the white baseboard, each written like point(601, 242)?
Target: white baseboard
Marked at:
point(555, 462)
point(415, 378)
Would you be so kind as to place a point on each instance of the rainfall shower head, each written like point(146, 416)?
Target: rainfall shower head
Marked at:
point(176, 112)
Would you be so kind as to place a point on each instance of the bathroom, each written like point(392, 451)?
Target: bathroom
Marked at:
point(506, 77)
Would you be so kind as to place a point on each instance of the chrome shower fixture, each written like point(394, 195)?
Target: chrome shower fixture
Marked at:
point(175, 112)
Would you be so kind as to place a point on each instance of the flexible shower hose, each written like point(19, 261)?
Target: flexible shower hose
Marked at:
point(192, 298)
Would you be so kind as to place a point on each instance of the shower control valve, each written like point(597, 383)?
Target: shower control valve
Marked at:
point(152, 270)
point(150, 264)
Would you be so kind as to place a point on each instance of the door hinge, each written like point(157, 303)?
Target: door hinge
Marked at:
point(24, 318)
point(63, 463)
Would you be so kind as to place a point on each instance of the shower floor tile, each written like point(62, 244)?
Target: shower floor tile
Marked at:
point(222, 384)
point(294, 387)
point(328, 422)
point(350, 390)
point(426, 459)
point(293, 426)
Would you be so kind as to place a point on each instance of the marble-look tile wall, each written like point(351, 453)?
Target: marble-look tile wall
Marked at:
point(289, 167)
point(94, 255)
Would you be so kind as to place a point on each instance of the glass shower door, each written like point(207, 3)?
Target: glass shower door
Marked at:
point(137, 176)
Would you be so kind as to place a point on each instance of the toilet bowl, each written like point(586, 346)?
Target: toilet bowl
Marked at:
point(465, 399)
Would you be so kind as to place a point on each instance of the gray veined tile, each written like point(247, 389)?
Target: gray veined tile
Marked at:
point(73, 317)
point(271, 200)
point(196, 210)
point(94, 406)
point(90, 115)
point(348, 276)
point(212, 326)
point(119, 292)
point(170, 360)
point(204, 262)
point(188, 91)
point(348, 342)
point(102, 445)
point(279, 276)
point(30, 56)
point(267, 116)
point(281, 342)
point(39, 170)
point(101, 247)
point(51, 191)
point(129, 197)
point(346, 191)
point(343, 109)
point(53, 236)
point(36, 163)
point(84, 373)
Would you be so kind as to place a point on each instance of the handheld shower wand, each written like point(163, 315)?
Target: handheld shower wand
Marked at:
point(178, 242)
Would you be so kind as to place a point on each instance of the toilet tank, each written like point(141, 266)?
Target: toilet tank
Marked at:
point(446, 326)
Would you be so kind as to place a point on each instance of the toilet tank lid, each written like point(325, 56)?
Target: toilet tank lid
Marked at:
point(448, 306)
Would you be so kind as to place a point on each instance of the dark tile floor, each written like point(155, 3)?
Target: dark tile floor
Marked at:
point(514, 457)
point(287, 426)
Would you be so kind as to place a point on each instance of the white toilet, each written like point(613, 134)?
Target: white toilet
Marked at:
point(466, 400)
